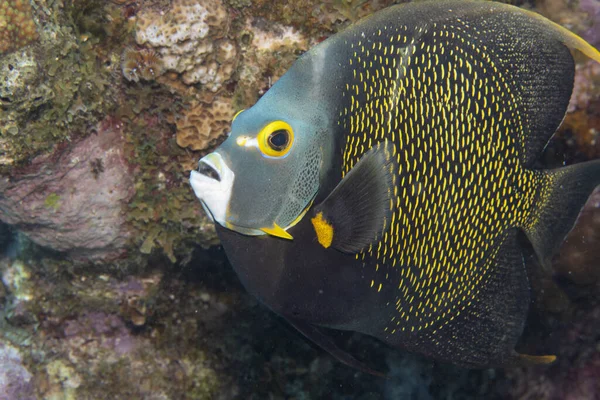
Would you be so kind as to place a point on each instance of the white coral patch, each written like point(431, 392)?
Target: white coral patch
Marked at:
point(279, 36)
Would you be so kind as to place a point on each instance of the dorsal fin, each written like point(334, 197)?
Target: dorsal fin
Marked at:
point(568, 38)
point(545, 75)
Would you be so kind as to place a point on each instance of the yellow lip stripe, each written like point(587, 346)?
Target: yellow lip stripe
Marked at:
point(277, 231)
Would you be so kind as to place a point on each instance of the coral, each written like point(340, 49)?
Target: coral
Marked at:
point(202, 124)
point(63, 381)
point(80, 344)
point(17, 28)
point(61, 202)
point(163, 211)
point(268, 51)
point(21, 90)
point(16, 277)
point(190, 39)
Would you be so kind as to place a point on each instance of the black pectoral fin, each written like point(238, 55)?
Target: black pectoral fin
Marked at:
point(358, 211)
point(315, 335)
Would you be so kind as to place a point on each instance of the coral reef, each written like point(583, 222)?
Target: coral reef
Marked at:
point(17, 28)
point(79, 339)
point(103, 114)
point(52, 89)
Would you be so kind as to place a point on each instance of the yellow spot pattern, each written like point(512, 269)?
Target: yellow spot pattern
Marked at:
point(457, 129)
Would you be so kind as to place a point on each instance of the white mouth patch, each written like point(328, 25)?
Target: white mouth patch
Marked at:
point(212, 184)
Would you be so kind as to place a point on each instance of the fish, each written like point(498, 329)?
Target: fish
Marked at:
point(386, 184)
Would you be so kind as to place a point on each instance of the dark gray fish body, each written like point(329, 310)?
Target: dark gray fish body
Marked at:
point(427, 119)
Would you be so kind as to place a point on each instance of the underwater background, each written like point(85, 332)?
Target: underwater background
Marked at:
point(113, 284)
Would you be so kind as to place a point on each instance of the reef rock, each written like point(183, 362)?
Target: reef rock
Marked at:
point(15, 379)
point(72, 200)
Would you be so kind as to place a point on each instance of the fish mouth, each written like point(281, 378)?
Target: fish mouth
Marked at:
point(212, 183)
point(206, 168)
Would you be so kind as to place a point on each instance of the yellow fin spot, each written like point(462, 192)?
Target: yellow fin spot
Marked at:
point(549, 359)
point(323, 230)
point(277, 231)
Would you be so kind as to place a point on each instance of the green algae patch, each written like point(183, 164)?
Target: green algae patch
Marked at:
point(52, 201)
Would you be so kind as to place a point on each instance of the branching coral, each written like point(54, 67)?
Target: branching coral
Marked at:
point(17, 28)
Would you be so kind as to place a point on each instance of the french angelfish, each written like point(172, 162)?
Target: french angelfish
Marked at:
point(380, 186)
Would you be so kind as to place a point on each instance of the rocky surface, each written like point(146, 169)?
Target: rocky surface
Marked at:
point(74, 200)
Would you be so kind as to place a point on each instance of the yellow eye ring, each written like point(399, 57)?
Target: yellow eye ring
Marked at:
point(276, 139)
point(236, 114)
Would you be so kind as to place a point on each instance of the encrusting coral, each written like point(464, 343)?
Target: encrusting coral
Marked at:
point(190, 39)
point(203, 123)
point(17, 27)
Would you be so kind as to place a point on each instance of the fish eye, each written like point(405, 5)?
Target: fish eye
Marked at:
point(276, 139)
point(279, 140)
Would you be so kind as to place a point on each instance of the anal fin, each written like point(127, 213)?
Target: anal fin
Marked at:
point(529, 359)
point(524, 360)
point(485, 328)
point(315, 335)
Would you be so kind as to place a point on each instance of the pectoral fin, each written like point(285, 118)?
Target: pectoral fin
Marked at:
point(358, 211)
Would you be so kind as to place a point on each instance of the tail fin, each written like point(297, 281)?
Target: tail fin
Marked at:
point(568, 191)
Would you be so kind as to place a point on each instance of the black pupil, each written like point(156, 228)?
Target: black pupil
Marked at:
point(279, 139)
